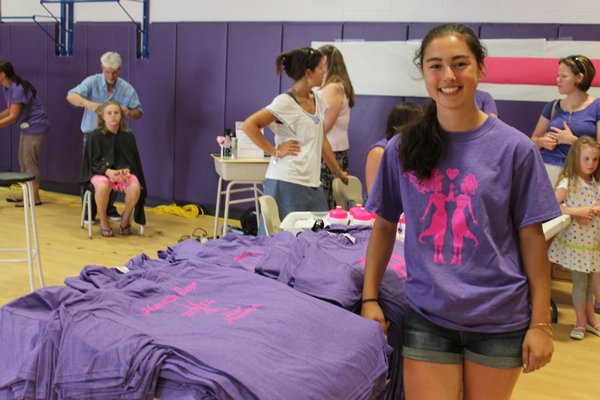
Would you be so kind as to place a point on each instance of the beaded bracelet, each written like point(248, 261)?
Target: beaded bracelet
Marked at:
point(369, 300)
point(544, 325)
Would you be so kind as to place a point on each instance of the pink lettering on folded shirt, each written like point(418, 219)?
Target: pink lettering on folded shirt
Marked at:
point(148, 309)
point(185, 290)
point(396, 264)
point(205, 306)
point(239, 313)
point(250, 258)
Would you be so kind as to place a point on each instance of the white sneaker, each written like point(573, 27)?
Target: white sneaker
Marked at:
point(86, 222)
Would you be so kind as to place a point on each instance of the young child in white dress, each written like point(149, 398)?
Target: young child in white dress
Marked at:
point(578, 246)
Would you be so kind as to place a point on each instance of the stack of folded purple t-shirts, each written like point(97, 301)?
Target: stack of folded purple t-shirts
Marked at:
point(328, 264)
point(185, 329)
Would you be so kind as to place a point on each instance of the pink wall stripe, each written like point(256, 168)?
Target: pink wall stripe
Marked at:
point(526, 71)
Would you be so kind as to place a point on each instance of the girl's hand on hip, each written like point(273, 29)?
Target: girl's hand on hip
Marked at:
point(289, 148)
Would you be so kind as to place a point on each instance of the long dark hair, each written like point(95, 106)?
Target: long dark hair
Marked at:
point(337, 72)
point(295, 62)
point(400, 116)
point(9, 71)
point(423, 144)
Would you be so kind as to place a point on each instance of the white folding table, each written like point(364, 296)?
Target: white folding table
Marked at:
point(248, 172)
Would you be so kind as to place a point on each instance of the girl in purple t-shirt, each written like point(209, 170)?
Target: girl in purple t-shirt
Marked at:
point(474, 193)
point(400, 115)
point(23, 107)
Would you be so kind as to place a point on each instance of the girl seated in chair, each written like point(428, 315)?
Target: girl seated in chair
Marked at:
point(111, 162)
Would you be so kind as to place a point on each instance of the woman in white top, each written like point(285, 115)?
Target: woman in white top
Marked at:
point(296, 117)
point(338, 92)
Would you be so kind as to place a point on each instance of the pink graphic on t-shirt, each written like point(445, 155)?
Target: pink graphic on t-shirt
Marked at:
point(452, 173)
point(148, 309)
point(439, 219)
point(185, 290)
point(249, 257)
point(396, 264)
point(239, 313)
point(460, 230)
point(426, 185)
point(439, 216)
point(205, 306)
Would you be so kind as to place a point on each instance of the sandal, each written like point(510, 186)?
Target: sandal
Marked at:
point(20, 204)
point(126, 230)
point(106, 232)
point(593, 329)
point(577, 333)
point(14, 199)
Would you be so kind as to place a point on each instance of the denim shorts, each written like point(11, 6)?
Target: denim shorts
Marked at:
point(426, 341)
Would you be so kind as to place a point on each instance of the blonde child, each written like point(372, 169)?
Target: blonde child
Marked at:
point(578, 247)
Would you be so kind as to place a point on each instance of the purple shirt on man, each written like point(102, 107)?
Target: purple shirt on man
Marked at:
point(461, 248)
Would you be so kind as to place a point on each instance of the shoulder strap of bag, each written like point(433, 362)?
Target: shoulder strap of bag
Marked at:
point(553, 112)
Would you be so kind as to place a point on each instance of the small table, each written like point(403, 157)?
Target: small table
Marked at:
point(240, 171)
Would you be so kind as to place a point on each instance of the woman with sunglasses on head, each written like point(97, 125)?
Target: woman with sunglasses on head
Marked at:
point(297, 118)
point(566, 119)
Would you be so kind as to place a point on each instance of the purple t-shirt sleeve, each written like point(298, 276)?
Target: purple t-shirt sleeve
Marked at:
point(485, 102)
point(548, 109)
point(533, 199)
point(17, 95)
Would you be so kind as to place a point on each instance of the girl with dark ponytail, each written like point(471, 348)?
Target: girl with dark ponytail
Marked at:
point(474, 192)
point(297, 119)
point(26, 111)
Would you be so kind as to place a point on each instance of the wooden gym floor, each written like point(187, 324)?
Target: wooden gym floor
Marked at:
point(65, 249)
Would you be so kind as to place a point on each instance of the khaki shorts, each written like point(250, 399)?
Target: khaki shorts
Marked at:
point(29, 154)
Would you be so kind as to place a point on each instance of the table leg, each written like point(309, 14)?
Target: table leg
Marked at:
point(226, 206)
point(36, 241)
point(217, 209)
point(26, 205)
point(256, 205)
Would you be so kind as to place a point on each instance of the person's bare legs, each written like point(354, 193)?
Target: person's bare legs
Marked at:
point(590, 316)
point(481, 382)
point(431, 381)
point(102, 192)
point(596, 287)
point(132, 195)
point(580, 314)
point(36, 193)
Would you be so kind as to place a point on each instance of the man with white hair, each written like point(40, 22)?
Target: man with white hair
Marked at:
point(99, 88)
